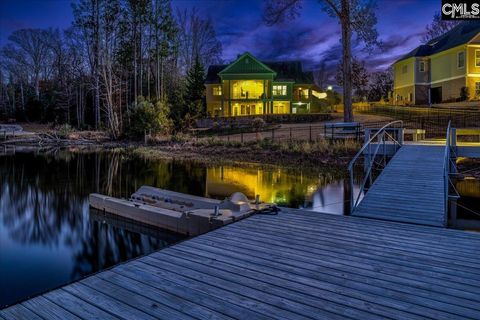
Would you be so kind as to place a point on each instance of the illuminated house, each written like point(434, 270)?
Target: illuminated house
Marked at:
point(445, 69)
point(250, 87)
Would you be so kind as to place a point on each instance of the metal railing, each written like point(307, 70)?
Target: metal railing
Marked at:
point(449, 169)
point(390, 137)
point(446, 170)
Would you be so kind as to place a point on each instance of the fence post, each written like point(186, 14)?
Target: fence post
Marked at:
point(241, 136)
point(310, 138)
point(273, 135)
point(290, 134)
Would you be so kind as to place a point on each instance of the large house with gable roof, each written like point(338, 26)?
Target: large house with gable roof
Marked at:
point(445, 69)
point(248, 86)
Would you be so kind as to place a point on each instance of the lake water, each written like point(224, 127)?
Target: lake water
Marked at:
point(49, 236)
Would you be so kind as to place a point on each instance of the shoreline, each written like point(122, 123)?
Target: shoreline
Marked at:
point(315, 155)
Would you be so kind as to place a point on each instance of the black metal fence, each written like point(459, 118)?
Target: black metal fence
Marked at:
point(433, 121)
point(303, 132)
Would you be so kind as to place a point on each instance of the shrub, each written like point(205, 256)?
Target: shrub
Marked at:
point(64, 130)
point(147, 116)
point(258, 123)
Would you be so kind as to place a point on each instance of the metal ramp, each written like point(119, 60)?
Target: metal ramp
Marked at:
point(409, 189)
point(412, 187)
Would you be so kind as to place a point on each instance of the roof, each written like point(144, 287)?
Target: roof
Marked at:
point(459, 35)
point(290, 71)
point(285, 70)
point(246, 64)
point(212, 73)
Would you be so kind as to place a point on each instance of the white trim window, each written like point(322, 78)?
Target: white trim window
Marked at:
point(461, 60)
point(280, 90)
point(217, 90)
point(421, 66)
point(477, 58)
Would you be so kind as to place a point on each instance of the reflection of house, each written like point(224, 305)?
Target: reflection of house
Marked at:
point(248, 87)
point(442, 69)
point(272, 185)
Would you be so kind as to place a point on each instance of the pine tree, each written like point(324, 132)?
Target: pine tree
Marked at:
point(195, 90)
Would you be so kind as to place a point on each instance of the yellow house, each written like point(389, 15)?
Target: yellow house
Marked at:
point(446, 69)
point(248, 87)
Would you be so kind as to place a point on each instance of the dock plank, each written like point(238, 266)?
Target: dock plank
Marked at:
point(294, 265)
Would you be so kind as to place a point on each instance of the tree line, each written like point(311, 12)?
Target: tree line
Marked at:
point(119, 58)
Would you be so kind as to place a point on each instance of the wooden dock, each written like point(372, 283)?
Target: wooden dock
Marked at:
point(409, 189)
point(295, 265)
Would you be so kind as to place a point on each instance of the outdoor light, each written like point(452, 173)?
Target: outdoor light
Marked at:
point(330, 88)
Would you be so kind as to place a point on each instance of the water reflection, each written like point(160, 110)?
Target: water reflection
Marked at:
point(46, 235)
point(49, 236)
point(325, 192)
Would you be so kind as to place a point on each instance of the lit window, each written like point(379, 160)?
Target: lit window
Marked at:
point(477, 58)
point(461, 59)
point(279, 90)
point(404, 69)
point(477, 89)
point(303, 93)
point(421, 67)
point(217, 91)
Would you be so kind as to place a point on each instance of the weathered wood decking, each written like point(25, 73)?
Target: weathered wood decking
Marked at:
point(296, 265)
point(409, 189)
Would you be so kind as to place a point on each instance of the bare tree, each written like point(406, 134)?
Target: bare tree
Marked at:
point(438, 27)
point(381, 84)
point(87, 20)
point(29, 50)
point(359, 76)
point(353, 15)
point(111, 81)
point(197, 38)
point(77, 72)
point(321, 76)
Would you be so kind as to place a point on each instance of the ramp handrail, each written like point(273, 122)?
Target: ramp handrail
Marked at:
point(380, 137)
point(446, 169)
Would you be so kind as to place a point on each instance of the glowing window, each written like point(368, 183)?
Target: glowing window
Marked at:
point(477, 58)
point(217, 91)
point(279, 90)
point(303, 93)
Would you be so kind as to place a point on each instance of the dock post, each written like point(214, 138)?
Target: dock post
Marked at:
point(452, 212)
point(401, 136)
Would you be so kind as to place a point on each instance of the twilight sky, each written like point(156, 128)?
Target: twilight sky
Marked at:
point(313, 38)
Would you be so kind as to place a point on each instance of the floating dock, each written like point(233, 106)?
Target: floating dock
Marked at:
point(178, 212)
point(294, 265)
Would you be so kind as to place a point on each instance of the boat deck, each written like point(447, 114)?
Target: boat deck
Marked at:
point(295, 265)
point(409, 189)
